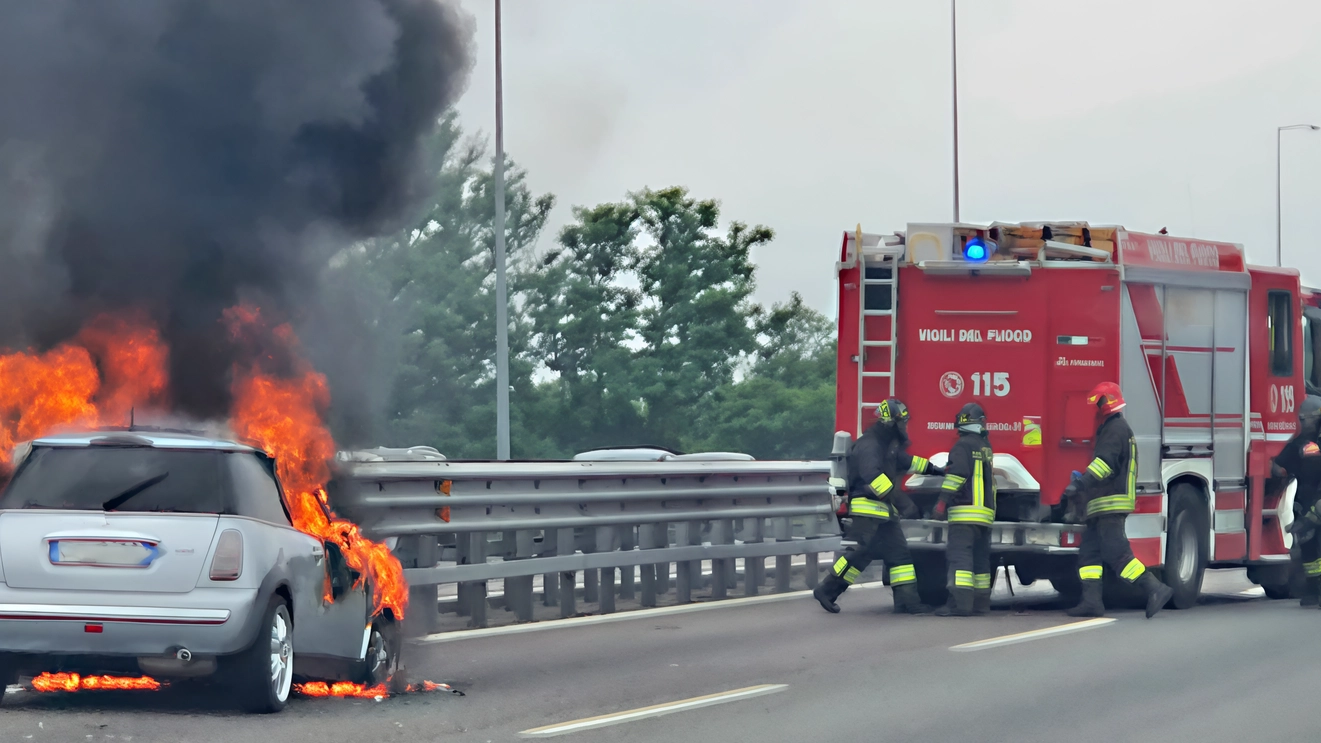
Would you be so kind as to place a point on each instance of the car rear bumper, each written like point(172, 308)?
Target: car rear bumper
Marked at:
point(206, 621)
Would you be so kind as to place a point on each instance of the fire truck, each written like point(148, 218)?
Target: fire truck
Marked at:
point(1214, 356)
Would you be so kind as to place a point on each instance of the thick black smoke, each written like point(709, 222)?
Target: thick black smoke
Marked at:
point(176, 155)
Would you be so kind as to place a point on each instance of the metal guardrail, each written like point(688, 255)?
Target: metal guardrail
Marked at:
point(472, 522)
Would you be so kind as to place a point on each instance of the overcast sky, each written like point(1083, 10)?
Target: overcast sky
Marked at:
point(811, 116)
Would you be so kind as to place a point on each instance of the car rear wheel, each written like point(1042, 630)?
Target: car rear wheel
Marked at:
point(264, 673)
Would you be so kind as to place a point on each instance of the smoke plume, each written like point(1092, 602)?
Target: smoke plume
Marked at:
point(174, 156)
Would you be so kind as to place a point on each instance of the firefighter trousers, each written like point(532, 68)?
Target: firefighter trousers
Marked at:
point(1105, 543)
point(1308, 559)
point(968, 552)
point(876, 539)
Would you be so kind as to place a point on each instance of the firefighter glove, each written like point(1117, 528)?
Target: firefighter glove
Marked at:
point(934, 470)
point(907, 508)
point(941, 511)
point(1302, 529)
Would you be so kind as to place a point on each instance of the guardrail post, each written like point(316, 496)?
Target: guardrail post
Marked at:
point(568, 578)
point(605, 542)
point(722, 532)
point(662, 539)
point(627, 541)
point(783, 563)
point(754, 568)
point(810, 570)
point(688, 571)
point(550, 582)
point(647, 540)
point(423, 601)
point(518, 591)
point(591, 576)
point(476, 590)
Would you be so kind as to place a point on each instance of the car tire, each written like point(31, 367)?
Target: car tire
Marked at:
point(383, 664)
point(263, 674)
point(1186, 545)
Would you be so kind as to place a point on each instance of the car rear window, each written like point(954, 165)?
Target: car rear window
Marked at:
point(112, 478)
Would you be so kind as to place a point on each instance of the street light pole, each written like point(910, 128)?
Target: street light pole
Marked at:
point(1279, 238)
point(501, 290)
point(954, 57)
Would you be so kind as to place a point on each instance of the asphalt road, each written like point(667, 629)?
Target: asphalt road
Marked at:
point(1236, 668)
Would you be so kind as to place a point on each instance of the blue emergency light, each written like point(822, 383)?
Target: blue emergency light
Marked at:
point(975, 251)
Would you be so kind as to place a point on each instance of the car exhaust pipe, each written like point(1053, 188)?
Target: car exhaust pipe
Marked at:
point(184, 654)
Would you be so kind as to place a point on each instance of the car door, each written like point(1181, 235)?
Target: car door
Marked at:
point(316, 570)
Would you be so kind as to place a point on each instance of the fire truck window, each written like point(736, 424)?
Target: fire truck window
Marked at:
point(1279, 321)
point(877, 296)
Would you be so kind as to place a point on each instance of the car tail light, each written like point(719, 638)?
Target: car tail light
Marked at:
point(228, 562)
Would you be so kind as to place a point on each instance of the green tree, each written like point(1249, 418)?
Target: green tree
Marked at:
point(437, 276)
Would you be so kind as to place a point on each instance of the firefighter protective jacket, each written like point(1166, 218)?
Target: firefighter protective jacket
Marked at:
point(1110, 482)
point(1301, 460)
point(969, 486)
point(876, 461)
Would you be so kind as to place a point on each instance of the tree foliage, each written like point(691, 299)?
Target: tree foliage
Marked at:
point(635, 326)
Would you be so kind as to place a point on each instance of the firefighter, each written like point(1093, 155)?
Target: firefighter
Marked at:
point(876, 502)
point(1109, 491)
point(967, 500)
point(1301, 460)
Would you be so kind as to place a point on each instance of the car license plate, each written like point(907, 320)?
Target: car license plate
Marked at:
point(109, 553)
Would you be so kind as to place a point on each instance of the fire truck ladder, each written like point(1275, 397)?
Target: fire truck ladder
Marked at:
point(878, 265)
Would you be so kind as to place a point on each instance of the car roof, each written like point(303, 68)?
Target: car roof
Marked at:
point(159, 439)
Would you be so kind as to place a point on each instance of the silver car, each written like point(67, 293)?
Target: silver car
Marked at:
point(173, 555)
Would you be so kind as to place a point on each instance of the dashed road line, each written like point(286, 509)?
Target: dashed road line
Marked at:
point(642, 713)
point(1036, 634)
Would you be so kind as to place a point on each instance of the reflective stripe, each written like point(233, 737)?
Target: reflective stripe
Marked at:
point(881, 485)
point(851, 575)
point(1100, 469)
point(901, 574)
point(952, 483)
point(918, 466)
point(1132, 488)
point(982, 581)
point(1090, 572)
point(840, 566)
point(1312, 568)
point(868, 507)
point(1122, 503)
point(978, 484)
point(1133, 570)
point(971, 515)
point(963, 579)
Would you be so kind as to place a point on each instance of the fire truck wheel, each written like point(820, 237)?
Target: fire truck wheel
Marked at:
point(1185, 545)
point(931, 577)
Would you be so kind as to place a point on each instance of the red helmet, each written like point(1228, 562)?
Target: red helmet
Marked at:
point(1107, 397)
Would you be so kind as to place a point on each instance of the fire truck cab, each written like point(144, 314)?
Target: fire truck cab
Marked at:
point(1213, 355)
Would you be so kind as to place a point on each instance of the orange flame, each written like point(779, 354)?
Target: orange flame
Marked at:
point(281, 414)
point(360, 691)
point(47, 682)
point(114, 365)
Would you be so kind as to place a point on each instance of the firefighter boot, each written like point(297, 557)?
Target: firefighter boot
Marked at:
point(959, 605)
point(906, 600)
point(1090, 605)
point(981, 602)
point(1310, 593)
point(1158, 594)
point(828, 590)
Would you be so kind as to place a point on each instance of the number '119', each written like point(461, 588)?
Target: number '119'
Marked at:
point(985, 384)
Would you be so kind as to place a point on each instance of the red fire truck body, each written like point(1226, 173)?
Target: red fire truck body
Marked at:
point(1213, 355)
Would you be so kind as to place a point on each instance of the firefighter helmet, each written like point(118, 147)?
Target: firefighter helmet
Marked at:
point(1107, 398)
point(892, 411)
point(1309, 413)
point(971, 418)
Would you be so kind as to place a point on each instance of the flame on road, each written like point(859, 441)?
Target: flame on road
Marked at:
point(48, 682)
point(348, 689)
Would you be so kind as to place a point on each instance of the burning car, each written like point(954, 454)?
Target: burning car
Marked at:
point(175, 555)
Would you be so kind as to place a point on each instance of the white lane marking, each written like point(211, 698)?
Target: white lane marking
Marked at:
point(1035, 634)
point(642, 713)
point(623, 616)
